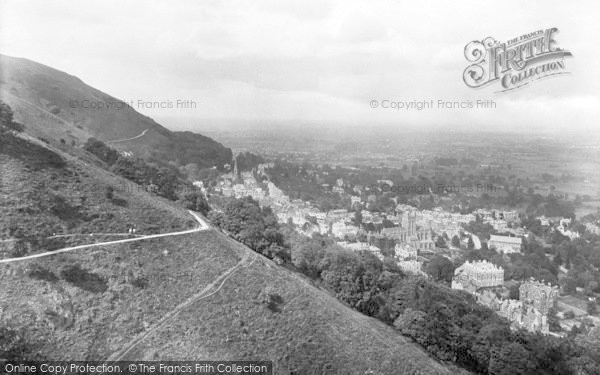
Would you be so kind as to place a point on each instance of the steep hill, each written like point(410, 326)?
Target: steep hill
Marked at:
point(196, 296)
point(57, 106)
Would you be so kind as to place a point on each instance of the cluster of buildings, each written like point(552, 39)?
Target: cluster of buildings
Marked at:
point(563, 228)
point(409, 233)
point(361, 246)
point(505, 244)
point(561, 224)
point(498, 219)
point(592, 228)
point(407, 258)
point(485, 280)
point(472, 276)
point(412, 231)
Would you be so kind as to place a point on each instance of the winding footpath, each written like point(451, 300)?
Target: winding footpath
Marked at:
point(202, 226)
point(129, 139)
point(211, 289)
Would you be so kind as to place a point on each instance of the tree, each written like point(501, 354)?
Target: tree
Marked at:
point(568, 285)
point(470, 244)
point(513, 292)
point(455, 241)
point(254, 226)
point(196, 201)
point(14, 346)
point(307, 254)
point(342, 271)
point(591, 308)
point(109, 192)
point(440, 242)
point(510, 359)
point(411, 323)
point(558, 261)
point(553, 322)
point(440, 268)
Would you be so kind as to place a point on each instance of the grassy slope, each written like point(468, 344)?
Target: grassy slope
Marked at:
point(308, 331)
point(35, 180)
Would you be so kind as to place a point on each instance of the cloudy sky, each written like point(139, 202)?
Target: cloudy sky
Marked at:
point(309, 61)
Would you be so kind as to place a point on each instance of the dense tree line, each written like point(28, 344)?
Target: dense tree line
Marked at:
point(252, 225)
point(246, 161)
point(164, 181)
point(447, 323)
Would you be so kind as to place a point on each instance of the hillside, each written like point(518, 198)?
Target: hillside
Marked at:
point(200, 295)
point(57, 106)
point(47, 193)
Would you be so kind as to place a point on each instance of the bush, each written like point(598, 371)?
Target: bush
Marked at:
point(140, 282)
point(38, 272)
point(119, 202)
point(14, 345)
point(84, 279)
point(272, 300)
point(109, 193)
point(20, 249)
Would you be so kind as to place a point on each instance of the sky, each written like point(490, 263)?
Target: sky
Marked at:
point(311, 62)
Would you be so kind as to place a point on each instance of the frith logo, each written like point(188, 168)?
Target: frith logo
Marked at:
point(515, 63)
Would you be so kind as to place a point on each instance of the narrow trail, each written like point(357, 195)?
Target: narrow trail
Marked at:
point(202, 226)
point(220, 280)
point(120, 234)
point(129, 139)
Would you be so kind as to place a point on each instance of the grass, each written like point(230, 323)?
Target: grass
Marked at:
point(262, 311)
point(40, 200)
point(101, 288)
point(267, 312)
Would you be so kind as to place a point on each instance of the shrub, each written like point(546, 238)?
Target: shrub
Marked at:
point(84, 279)
point(38, 272)
point(140, 282)
point(109, 193)
point(119, 202)
point(272, 300)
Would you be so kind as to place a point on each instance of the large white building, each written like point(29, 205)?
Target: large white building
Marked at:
point(276, 194)
point(340, 229)
point(480, 274)
point(362, 246)
point(505, 244)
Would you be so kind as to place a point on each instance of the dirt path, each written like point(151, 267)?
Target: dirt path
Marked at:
point(210, 289)
point(129, 139)
point(202, 226)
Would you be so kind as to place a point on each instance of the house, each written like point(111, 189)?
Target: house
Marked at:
point(405, 251)
point(505, 244)
point(482, 274)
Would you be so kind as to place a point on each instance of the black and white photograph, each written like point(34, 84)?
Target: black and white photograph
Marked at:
point(299, 187)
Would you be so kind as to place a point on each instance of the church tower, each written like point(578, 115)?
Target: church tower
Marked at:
point(235, 166)
point(236, 173)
